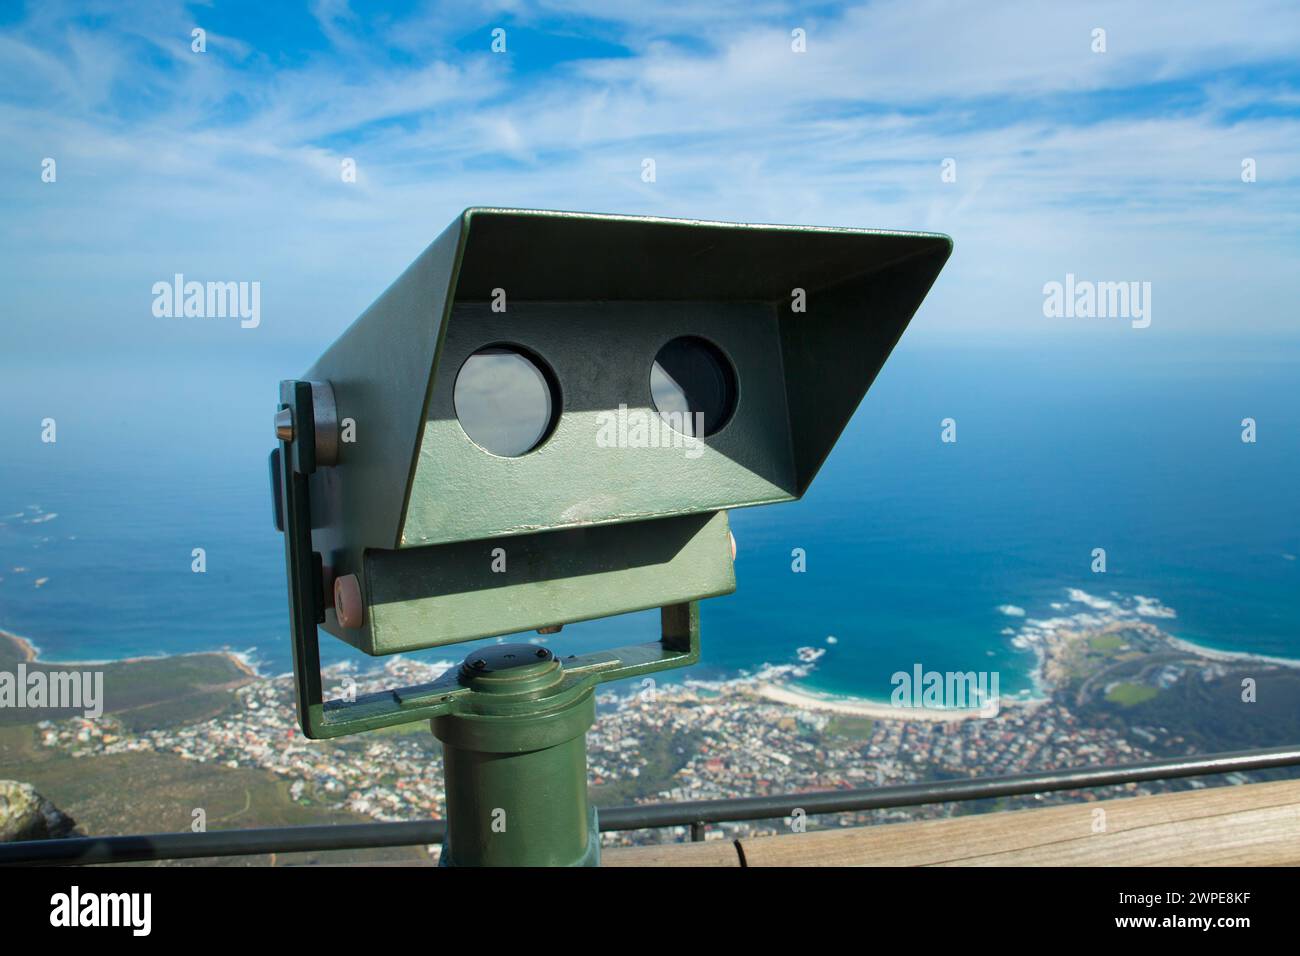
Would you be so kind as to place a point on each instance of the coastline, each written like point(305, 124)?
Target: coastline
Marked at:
point(1210, 653)
point(27, 651)
point(1048, 637)
point(1043, 637)
point(30, 653)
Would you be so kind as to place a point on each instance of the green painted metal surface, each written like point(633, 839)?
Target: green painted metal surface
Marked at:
point(451, 543)
point(611, 458)
point(595, 296)
point(516, 762)
point(293, 463)
point(514, 747)
point(380, 369)
point(423, 597)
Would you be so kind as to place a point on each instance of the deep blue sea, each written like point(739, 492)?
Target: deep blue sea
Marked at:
point(912, 544)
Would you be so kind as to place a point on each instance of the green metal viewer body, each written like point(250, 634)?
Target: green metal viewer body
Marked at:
point(429, 538)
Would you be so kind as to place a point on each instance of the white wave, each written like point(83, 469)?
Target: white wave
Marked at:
point(1151, 607)
point(810, 655)
point(1096, 603)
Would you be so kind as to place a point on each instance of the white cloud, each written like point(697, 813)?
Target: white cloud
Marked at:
point(221, 165)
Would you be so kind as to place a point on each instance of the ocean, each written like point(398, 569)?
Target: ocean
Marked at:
point(917, 550)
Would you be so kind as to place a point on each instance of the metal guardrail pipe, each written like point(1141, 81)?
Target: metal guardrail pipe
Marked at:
point(178, 846)
point(915, 794)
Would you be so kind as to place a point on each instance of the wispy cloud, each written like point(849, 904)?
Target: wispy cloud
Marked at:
point(1124, 164)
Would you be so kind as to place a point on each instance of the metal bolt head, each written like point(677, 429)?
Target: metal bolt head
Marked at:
point(284, 425)
point(347, 601)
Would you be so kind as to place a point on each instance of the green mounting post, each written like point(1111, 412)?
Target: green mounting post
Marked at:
point(515, 756)
point(515, 749)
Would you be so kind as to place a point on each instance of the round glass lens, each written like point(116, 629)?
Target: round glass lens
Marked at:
point(693, 386)
point(504, 401)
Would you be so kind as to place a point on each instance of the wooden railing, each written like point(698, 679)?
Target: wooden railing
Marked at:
point(1251, 825)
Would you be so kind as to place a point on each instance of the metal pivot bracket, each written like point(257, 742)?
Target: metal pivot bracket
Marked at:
point(291, 465)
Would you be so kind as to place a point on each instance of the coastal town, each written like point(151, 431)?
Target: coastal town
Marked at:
point(719, 739)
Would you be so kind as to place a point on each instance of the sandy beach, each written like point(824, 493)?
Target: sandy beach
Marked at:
point(857, 707)
point(1210, 653)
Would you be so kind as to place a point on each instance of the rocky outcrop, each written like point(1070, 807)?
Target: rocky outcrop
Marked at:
point(26, 815)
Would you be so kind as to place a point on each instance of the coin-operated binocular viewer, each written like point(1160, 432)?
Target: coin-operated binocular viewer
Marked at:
point(543, 421)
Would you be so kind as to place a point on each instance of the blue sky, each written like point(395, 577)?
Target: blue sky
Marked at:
point(225, 165)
